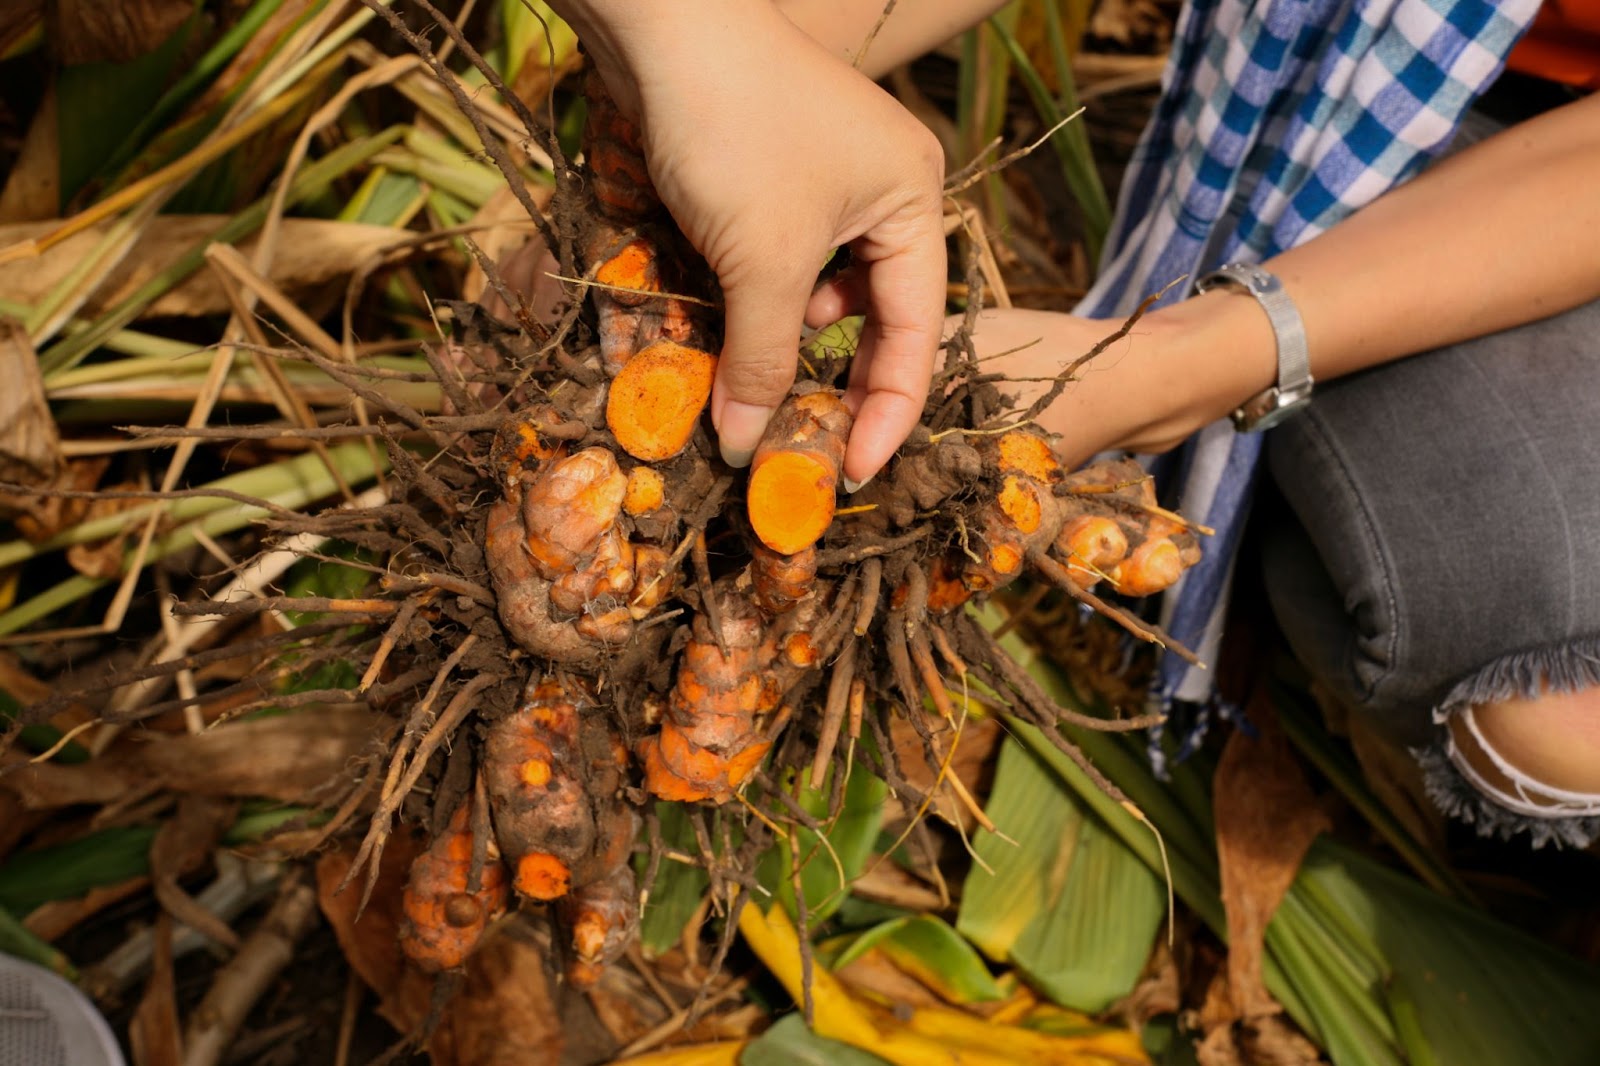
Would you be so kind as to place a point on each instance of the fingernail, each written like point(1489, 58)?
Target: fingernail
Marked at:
point(853, 487)
point(739, 431)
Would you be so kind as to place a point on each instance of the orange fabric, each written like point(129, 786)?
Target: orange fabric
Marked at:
point(1563, 44)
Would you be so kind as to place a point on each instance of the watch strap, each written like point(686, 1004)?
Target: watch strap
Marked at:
point(1293, 388)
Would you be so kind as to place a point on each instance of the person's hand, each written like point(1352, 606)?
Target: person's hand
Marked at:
point(769, 153)
point(1179, 369)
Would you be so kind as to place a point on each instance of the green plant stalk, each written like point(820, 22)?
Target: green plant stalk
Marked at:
point(1346, 779)
point(1071, 145)
point(448, 212)
point(205, 68)
point(1355, 975)
point(476, 181)
point(352, 460)
point(77, 587)
point(291, 483)
point(123, 342)
point(323, 48)
point(448, 117)
point(310, 182)
point(1347, 1034)
point(17, 940)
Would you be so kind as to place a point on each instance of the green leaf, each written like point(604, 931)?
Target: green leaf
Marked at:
point(532, 33)
point(67, 871)
point(678, 887)
point(1071, 141)
point(1443, 962)
point(1368, 961)
point(1068, 904)
point(925, 947)
point(836, 341)
point(791, 1043)
point(259, 823)
point(195, 77)
point(99, 102)
point(849, 844)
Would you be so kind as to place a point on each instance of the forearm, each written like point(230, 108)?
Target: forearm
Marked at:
point(1502, 234)
point(913, 28)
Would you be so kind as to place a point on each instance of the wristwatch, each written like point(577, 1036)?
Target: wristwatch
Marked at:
point(1293, 390)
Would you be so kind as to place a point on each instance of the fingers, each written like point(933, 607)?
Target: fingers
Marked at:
point(894, 366)
point(760, 350)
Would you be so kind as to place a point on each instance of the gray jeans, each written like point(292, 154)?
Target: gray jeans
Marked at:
point(1444, 542)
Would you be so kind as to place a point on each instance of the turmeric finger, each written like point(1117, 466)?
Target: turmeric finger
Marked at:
point(443, 917)
point(1091, 544)
point(1152, 567)
point(779, 581)
point(533, 769)
point(795, 471)
point(569, 507)
point(600, 919)
point(657, 398)
point(615, 157)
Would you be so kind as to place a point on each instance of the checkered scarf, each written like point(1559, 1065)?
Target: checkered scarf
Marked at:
point(1277, 119)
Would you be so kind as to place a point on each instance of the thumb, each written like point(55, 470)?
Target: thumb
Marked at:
point(760, 350)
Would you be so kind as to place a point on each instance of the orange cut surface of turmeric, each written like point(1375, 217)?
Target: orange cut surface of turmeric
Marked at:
point(656, 399)
point(792, 499)
point(631, 274)
point(1028, 454)
point(1021, 504)
point(542, 877)
point(646, 491)
point(795, 472)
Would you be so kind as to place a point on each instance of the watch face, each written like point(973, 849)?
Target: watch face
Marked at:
point(1276, 415)
point(1266, 409)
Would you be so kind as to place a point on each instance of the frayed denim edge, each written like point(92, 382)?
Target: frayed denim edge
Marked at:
point(1566, 668)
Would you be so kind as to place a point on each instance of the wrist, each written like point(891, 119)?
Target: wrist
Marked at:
point(1221, 351)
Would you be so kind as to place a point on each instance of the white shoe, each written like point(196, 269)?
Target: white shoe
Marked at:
point(45, 1021)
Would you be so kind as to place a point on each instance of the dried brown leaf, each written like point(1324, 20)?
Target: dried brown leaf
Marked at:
point(154, 1034)
point(311, 254)
point(40, 517)
point(972, 763)
point(510, 241)
point(873, 972)
point(33, 188)
point(1266, 817)
point(297, 758)
point(90, 31)
point(503, 1013)
point(30, 449)
point(371, 941)
point(18, 18)
point(103, 558)
point(47, 786)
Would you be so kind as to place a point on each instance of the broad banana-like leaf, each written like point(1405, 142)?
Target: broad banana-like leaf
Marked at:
point(677, 888)
point(925, 947)
point(790, 1043)
point(830, 862)
point(1068, 904)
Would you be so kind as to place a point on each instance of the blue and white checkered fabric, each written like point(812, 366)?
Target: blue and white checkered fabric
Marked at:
point(1277, 119)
